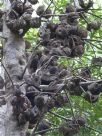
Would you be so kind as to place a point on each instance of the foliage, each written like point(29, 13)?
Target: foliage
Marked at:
point(93, 48)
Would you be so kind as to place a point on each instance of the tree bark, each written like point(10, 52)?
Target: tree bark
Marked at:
point(14, 62)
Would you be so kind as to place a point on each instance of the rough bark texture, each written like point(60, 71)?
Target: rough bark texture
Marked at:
point(14, 61)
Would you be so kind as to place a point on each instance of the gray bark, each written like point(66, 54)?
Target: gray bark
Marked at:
point(14, 61)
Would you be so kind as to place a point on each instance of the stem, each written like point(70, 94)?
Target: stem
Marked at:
point(21, 77)
point(57, 115)
point(94, 15)
point(44, 131)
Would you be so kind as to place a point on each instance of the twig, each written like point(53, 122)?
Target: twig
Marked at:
point(45, 87)
point(59, 116)
point(94, 45)
point(70, 104)
point(44, 131)
point(29, 61)
point(92, 40)
point(47, 8)
point(84, 18)
point(95, 9)
point(91, 47)
point(93, 129)
point(60, 15)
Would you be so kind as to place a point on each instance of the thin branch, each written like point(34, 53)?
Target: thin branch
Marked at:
point(57, 115)
point(46, 8)
point(95, 9)
point(70, 104)
point(94, 45)
point(46, 130)
point(45, 87)
point(84, 18)
point(93, 129)
point(29, 61)
point(94, 40)
point(94, 15)
point(60, 15)
point(91, 47)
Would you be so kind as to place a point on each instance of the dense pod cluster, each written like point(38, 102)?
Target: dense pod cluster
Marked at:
point(20, 104)
point(19, 18)
point(66, 37)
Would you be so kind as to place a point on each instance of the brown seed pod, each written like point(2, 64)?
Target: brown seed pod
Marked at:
point(13, 15)
point(60, 101)
point(43, 125)
point(45, 35)
point(70, 8)
point(31, 92)
point(80, 121)
point(95, 25)
point(33, 1)
point(17, 91)
point(27, 7)
point(53, 70)
point(91, 98)
point(86, 6)
point(40, 102)
point(13, 101)
point(22, 23)
point(85, 73)
point(61, 32)
point(63, 19)
point(52, 26)
point(82, 32)
point(33, 115)
point(17, 5)
point(35, 22)
point(67, 51)
point(10, 24)
point(77, 51)
point(29, 10)
point(40, 10)
point(94, 88)
point(21, 119)
point(72, 19)
point(26, 17)
point(55, 43)
point(69, 129)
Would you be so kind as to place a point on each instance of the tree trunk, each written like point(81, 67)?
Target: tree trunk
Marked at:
point(14, 62)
